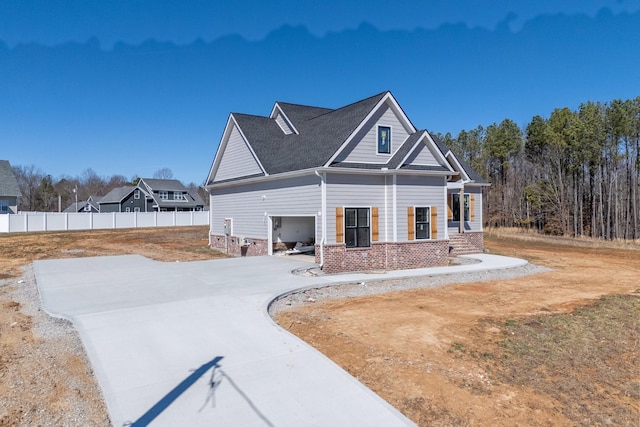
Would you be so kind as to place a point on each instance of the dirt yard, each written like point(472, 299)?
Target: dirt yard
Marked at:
point(537, 350)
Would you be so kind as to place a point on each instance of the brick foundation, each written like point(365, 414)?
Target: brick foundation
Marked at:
point(384, 256)
point(380, 256)
point(255, 248)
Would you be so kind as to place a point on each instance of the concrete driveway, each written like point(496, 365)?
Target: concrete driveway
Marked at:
point(192, 343)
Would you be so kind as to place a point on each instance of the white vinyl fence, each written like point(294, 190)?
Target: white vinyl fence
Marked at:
point(54, 221)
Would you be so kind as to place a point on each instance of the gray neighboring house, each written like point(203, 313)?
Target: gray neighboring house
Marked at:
point(171, 195)
point(360, 183)
point(128, 198)
point(89, 205)
point(9, 189)
point(151, 195)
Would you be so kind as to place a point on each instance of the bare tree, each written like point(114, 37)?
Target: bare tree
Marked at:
point(29, 178)
point(163, 173)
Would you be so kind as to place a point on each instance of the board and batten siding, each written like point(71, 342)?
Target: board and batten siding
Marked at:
point(237, 160)
point(356, 191)
point(364, 147)
point(247, 204)
point(419, 191)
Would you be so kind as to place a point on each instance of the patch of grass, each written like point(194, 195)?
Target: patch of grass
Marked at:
point(583, 356)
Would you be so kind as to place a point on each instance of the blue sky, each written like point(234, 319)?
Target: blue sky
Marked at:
point(129, 87)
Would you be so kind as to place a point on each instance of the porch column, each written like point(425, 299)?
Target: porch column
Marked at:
point(461, 209)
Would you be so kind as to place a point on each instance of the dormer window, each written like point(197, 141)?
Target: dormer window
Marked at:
point(384, 140)
point(177, 195)
point(164, 195)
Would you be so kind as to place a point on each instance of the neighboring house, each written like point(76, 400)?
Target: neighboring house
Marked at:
point(89, 205)
point(9, 189)
point(152, 195)
point(128, 198)
point(361, 183)
point(171, 195)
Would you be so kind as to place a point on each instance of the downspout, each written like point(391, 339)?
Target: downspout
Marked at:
point(395, 207)
point(386, 209)
point(210, 213)
point(323, 214)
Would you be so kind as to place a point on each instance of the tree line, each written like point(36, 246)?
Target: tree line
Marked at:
point(575, 173)
point(43, 193)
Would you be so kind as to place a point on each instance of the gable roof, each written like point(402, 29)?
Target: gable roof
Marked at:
point(315, 136)
point(79, 206)
point(150, 185)
point(8, 182)
point(321, 133)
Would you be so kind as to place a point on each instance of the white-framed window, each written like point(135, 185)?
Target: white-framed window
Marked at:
point(384, 139)
point(136, 194)
point(127, 209)
point(164, 195)
point(455, 207)
point(136, 209)
point(423, 222)
point(357, 227)
point(177, 195)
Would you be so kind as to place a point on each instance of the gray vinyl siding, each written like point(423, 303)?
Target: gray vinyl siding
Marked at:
point(247, 204)
point(422, 156)
point(237, 160)
point(364, 147)
point(283, 124)
point(420, 191)
point(357, 191)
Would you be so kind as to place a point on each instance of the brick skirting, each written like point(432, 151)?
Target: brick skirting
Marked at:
point(254, 248)
point(380, 256)
point(384, 256)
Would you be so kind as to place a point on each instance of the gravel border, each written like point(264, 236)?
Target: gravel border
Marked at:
point(381, 286)
point(83, 403)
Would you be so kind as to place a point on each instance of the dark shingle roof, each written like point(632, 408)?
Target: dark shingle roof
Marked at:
point(8, 183)
point(164, 184)
point(321, 133)
point(117, 194)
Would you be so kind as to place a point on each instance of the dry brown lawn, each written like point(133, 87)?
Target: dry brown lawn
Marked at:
point(553, 349)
